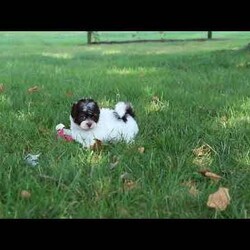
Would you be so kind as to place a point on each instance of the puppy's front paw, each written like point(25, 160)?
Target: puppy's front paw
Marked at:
point(59, 126)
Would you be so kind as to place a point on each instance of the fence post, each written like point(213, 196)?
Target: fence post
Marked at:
point(209, 35)
point(89, 37)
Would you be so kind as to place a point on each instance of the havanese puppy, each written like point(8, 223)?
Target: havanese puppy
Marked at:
point(89, 123)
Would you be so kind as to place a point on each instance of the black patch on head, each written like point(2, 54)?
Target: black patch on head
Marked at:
point(85, 109)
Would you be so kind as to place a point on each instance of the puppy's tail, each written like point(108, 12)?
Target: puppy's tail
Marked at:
point(123, 110)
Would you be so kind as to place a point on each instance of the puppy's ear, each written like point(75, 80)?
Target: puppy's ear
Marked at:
point(74, 110)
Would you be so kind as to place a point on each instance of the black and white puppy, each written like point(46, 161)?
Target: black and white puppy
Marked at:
point(88, 122)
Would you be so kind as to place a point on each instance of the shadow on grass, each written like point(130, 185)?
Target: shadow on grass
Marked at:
point(157, 41)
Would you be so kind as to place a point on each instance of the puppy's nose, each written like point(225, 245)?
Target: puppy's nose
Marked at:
point(89, 124)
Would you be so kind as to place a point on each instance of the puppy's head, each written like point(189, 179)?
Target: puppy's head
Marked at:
point(85, 113)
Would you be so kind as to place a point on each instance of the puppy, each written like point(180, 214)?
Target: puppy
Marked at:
point(88, 122)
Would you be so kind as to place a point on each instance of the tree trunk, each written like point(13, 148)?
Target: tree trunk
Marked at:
point(89, 37)
point(209, 35)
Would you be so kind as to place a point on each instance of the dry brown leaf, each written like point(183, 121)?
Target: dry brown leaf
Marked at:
point(33, 89)
point(123, 211)
point(69, 93)
point(1, 88)
point(129, 184)
point(25, 194)
point(194, 191)
point(192, 188)
point(43, 130)
point(219, 200)
point(201, 151)
point(210, 175)
point(141, 150)
point(97, 146)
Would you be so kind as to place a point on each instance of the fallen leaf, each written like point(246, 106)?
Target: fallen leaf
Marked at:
point(1, 88)
point(125, 176)
point(25, 194)
point(43, 130)
point(32, 160)
point(114, 163)
point(97, 146)
point(69, 93)
point(129, 184)
point(194, 191)
point(127, 181)
point(189, 183)
point(123, 211)
point(141, 150)
point(192, 188)
point(219, 200)
point(33, 89)
point(201, 151)
point(210, 175)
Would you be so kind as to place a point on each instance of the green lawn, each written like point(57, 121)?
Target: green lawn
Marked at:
point(185, 93)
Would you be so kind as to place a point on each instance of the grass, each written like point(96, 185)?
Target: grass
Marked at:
point(185, 94)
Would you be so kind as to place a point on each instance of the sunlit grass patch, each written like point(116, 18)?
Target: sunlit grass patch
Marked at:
point(23, 116)
point(156, 105)
point(4, 101)
point(243, 158)
point(111, 52)
point(130, 71)
point(237, 115)
point(243, 65)
point(239, 119)
point(57, 55)
point(95, 158)
point(102, 187)
point(94, 48)
point(106, 103)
